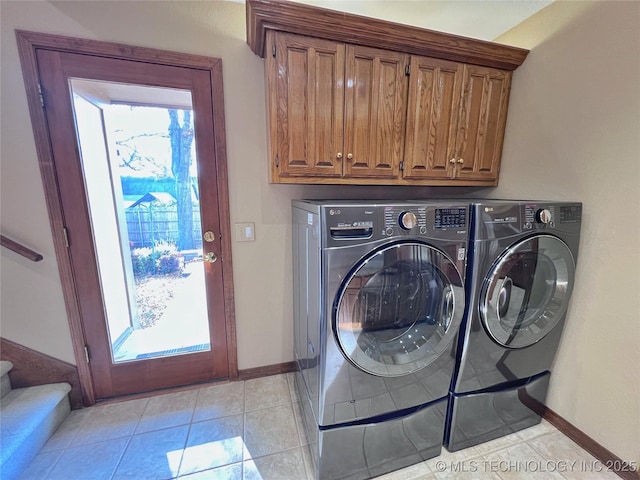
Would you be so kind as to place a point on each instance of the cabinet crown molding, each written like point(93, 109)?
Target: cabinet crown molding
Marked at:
point(287, 16)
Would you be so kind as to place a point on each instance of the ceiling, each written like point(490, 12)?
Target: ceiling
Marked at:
point(481, 19)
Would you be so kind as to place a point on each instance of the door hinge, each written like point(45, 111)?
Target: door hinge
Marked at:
point(402, 166)
point(86, 353)
point(66, 236)
point(41, 95)
point(407, 70)
point(277, 161)
point(273, 50)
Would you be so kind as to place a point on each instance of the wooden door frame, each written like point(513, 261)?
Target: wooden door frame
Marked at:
point(28, 43)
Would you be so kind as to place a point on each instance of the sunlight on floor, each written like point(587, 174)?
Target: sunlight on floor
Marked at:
point(205, 456)
point(249, 430)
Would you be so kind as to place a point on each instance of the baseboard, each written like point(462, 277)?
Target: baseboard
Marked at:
point(606, 457)
point(257, 372)
point(34, 368)
point(247, 374)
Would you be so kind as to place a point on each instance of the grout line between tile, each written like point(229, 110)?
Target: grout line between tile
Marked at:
point(184, 448)
point(51, 467)
point(244, 398)
point(124, 451)
point(244, 423)
point(146, 405)
point(307, 474)
point(195, 407)
point(84, 420)
point(298, 427)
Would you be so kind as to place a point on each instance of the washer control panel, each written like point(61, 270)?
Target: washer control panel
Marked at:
point(399, 219)
point(357, 222)
point(425, 220)
point(450, 218)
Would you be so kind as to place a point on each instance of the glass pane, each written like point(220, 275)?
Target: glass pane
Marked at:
point(396, 310)
point(139, 161)
point(528, 291)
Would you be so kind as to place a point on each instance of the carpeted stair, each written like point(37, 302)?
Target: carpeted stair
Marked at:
point(28, 417)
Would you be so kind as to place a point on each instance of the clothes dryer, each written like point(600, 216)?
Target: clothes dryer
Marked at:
point(522, 258)
point(378, 301)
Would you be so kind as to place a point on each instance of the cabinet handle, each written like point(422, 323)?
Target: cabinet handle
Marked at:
point(460, 160)
point(339, 156)
point(453, 160)
point(349, 156)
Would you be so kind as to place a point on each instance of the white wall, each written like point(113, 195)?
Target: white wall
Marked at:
point(574, 133)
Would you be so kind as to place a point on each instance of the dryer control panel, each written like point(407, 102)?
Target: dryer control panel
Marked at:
point(545, 215)
point(500, 218)
point(539, 216)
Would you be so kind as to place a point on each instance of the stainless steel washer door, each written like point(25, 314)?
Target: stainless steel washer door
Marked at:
point(527, 291)
point(398, 309)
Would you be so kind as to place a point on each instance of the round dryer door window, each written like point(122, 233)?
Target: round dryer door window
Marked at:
point(527, 291)
point(399, 309)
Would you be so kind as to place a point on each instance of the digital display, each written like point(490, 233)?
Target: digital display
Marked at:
point(450, 217)
point(570, 214)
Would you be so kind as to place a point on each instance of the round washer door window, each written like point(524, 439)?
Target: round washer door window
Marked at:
point(527, 291)
point(398, 309)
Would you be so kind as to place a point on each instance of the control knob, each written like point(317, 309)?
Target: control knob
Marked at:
point(407, 220)
point(543, 216)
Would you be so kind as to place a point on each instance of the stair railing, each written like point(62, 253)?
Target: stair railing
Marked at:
point(20, 249)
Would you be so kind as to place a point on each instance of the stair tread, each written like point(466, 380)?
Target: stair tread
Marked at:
point(23, 410)
point(5, 367)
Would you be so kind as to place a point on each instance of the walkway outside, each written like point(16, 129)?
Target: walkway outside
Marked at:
point(181, 328)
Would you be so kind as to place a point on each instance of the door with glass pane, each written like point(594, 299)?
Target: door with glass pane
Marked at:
point(527, 291)
point(134, 151)
point(399, 309)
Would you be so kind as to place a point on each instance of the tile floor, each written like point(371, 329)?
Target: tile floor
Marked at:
point(252, 430)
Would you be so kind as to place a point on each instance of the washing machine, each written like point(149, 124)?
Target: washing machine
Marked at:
point(521, 272)
point(378, 301)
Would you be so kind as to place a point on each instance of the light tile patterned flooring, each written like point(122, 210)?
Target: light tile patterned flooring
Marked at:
point(252, 430)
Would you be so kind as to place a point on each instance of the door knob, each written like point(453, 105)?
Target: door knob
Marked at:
point(453, 160)
point(460, 160)
point(339, 156)
point(210, 257)
point(349, 156)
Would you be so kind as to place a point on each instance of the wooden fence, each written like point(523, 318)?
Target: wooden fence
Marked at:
point(155, 224)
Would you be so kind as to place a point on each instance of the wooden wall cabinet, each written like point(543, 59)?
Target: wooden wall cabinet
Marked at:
point(335, 110)
point(305, 92)
point(455, 122)
point(353, 100)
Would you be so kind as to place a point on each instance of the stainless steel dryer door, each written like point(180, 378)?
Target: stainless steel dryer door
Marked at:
point(527, 290)
point(398, 309)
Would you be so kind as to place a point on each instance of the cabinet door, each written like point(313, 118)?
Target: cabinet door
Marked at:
point(434, 98)
point(375, 112)
point(305, 85)
point(481, 124)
